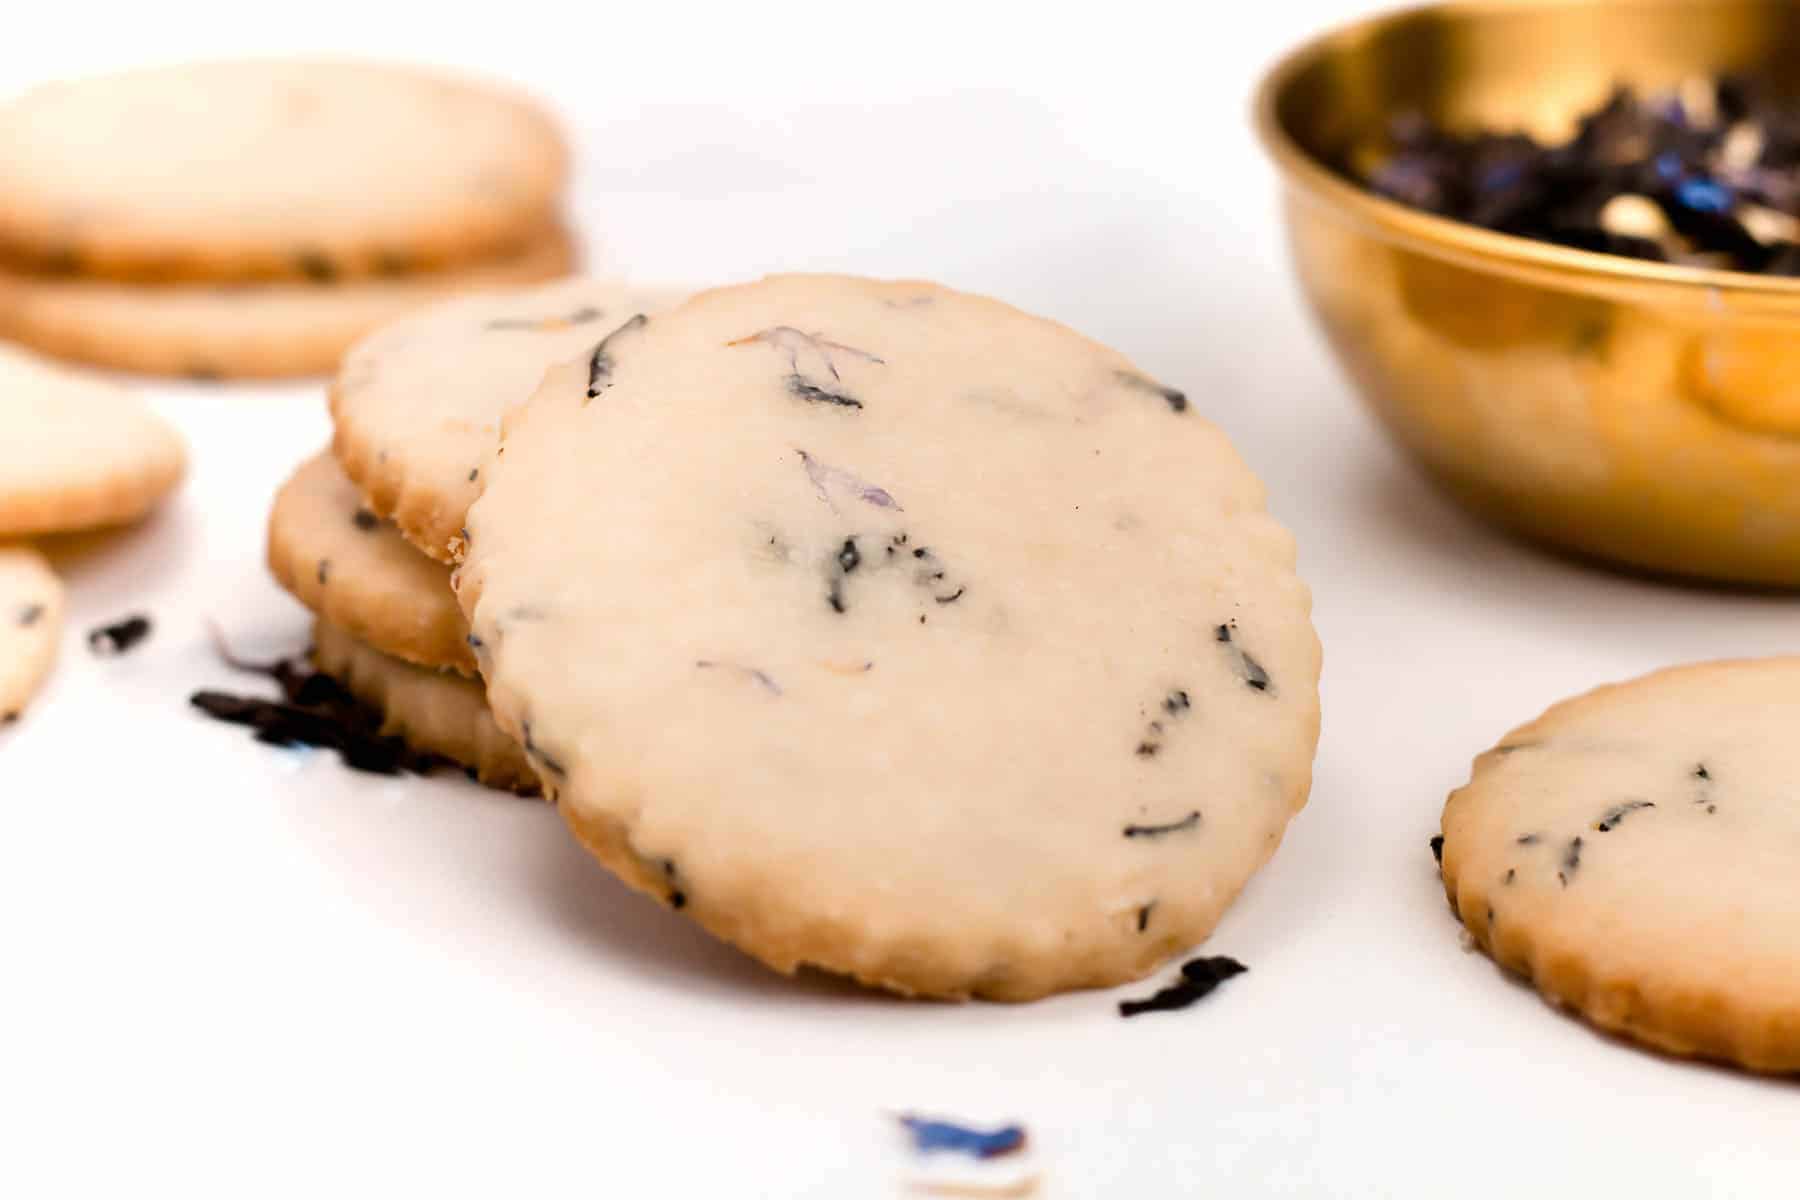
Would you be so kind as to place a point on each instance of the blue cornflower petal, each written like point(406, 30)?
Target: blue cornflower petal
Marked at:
point(929, 1136)
point(1703, 195)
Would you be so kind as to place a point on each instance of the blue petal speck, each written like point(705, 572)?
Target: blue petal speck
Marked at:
point(1703, 195)
point(930, 1136)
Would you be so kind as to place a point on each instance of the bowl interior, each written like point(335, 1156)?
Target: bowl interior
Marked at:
point(1534, 68)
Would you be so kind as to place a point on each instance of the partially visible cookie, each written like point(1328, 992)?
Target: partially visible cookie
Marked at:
point(271, 169)
point(433, 712)
point(31, 617)
point(418, 404)
point(893, 630)
point(357, 572)
point(77, 452)
point(1635, 853)
point(241, 330)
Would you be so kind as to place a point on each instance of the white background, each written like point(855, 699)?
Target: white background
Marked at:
point(246, 972)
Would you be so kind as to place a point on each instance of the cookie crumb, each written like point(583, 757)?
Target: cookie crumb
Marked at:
point(111, 640)
point(1199, 976)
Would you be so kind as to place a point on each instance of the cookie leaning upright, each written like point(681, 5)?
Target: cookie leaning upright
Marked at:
point(77, 452)
point(1635, 853)
point(270, 169)
point(892, 630)
point(417, 404)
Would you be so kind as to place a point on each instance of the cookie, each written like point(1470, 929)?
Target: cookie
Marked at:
point(269, 169)
point(432, 712)
point(895, 631)
point(1635, 853)
point(356, 571)
point(245, 331)
point(417, 404)
point(31, 617)
point(77, 452)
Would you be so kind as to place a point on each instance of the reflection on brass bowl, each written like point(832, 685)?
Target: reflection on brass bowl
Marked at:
point(1638, 412)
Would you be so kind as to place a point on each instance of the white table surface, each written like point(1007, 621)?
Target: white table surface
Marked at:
point(247, 972)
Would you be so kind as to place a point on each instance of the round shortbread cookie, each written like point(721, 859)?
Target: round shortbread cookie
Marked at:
point(270, 169)
point(356, 571)
point(31, 617)
point(77, 452)
point(1635, 853)
point(268, 330)
point(417, 404)
point(894, 631)
point(432, 712)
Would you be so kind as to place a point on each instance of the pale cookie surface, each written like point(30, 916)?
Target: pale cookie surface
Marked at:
point(31, 617)
point(432, 712)
point(892, 630)
point(1635, 852)
point(266, 330)
point(271, 169)
point(357, 572)
point(76, 451)
point(418, 404)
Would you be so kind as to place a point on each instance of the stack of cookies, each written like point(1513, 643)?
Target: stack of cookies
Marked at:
point(363, 534)
point(255, 218)
point(873, 625)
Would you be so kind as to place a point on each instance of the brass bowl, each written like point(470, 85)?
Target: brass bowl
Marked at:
point(1638, 412)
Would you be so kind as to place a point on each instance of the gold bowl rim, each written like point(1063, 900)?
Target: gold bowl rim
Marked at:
point(1459, 239)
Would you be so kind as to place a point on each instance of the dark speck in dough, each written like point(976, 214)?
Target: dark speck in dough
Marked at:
point(1177, 401)
point(1255, 677)
point(814, 394)
point(1191, 821)
point(600, 362)
point(315, 266)
point(1612, 817)
point(1571, 862)
point(536, 751)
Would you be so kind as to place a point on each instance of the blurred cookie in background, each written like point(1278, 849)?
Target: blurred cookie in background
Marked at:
point(254, 218)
